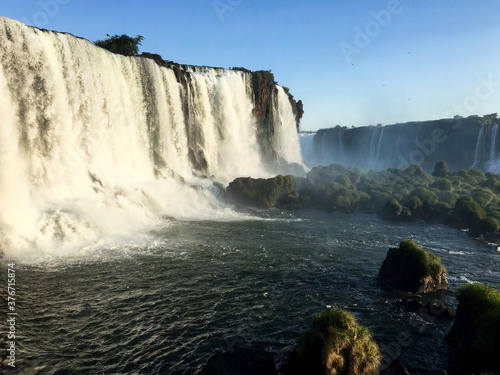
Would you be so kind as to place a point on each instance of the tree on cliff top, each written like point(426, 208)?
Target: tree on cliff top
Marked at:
point(121, 44)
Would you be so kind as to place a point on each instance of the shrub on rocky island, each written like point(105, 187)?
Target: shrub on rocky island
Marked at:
point(462, 199)
point(475, 335)
point(336, 344)
point(467, 199)
point(412, 269)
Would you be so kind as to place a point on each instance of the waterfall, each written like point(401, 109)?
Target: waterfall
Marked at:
point(307, 147)
point(375, 143)
point(486, 155)
point(472, 144)
point(479, 147)
point(287, 143)
point(377, 157)
point(493, 164)
point(94, 145)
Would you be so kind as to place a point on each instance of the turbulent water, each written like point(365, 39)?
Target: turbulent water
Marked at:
point(165, 303)
point(94, 145)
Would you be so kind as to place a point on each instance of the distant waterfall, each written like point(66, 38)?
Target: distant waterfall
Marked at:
point(94, 144)
point(344, 146)
point(487, 154)
point(462, 142)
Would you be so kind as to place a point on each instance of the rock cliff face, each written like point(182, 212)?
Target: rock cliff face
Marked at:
point(265, 93)
point(471, 142)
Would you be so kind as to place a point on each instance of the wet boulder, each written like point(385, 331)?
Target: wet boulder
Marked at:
point(411, 269)
point(259, 192)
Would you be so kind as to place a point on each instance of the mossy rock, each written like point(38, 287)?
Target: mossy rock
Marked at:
point(441, 169)
point(484, 227)
point(412, 269)
point(336, 344)
point(414, 204)
point(442, 184)
point(470, 213)
point(428, 197)
point(471, 176)
point(475, 335)
point(484, 196)
point(259, 192)
point(393, 210)
point(341, 199)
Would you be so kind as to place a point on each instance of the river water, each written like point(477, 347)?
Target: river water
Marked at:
point(165, 303)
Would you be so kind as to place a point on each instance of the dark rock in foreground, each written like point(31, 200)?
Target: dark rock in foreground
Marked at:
point(396, 368)
point(259, 192)
point(475, 335)
point(240, 361)
point(411, 269)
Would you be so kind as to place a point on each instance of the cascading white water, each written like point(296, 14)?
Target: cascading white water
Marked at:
point(493, 163)
point(287, 143)
point(375, 143)
point(379, 145)
point(94, 144)
point(307, 146)
point(486, 154)
point(479, 145)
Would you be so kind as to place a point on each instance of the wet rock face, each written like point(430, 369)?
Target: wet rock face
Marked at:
point(411, 269)
point(263, 87)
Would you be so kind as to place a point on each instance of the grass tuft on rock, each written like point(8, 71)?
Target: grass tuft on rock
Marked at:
point(427, 263)
point(336, 344)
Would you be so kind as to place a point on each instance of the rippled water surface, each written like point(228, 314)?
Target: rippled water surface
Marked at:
point(166, 306)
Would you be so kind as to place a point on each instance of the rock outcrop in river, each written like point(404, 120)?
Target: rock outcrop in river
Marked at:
point(409, 268)
point(336, 344)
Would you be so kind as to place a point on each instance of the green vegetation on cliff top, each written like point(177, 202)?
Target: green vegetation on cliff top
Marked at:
point(121, 44)
point(426, 263)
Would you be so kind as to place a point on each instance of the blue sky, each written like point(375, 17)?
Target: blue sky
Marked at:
point(351, 62)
